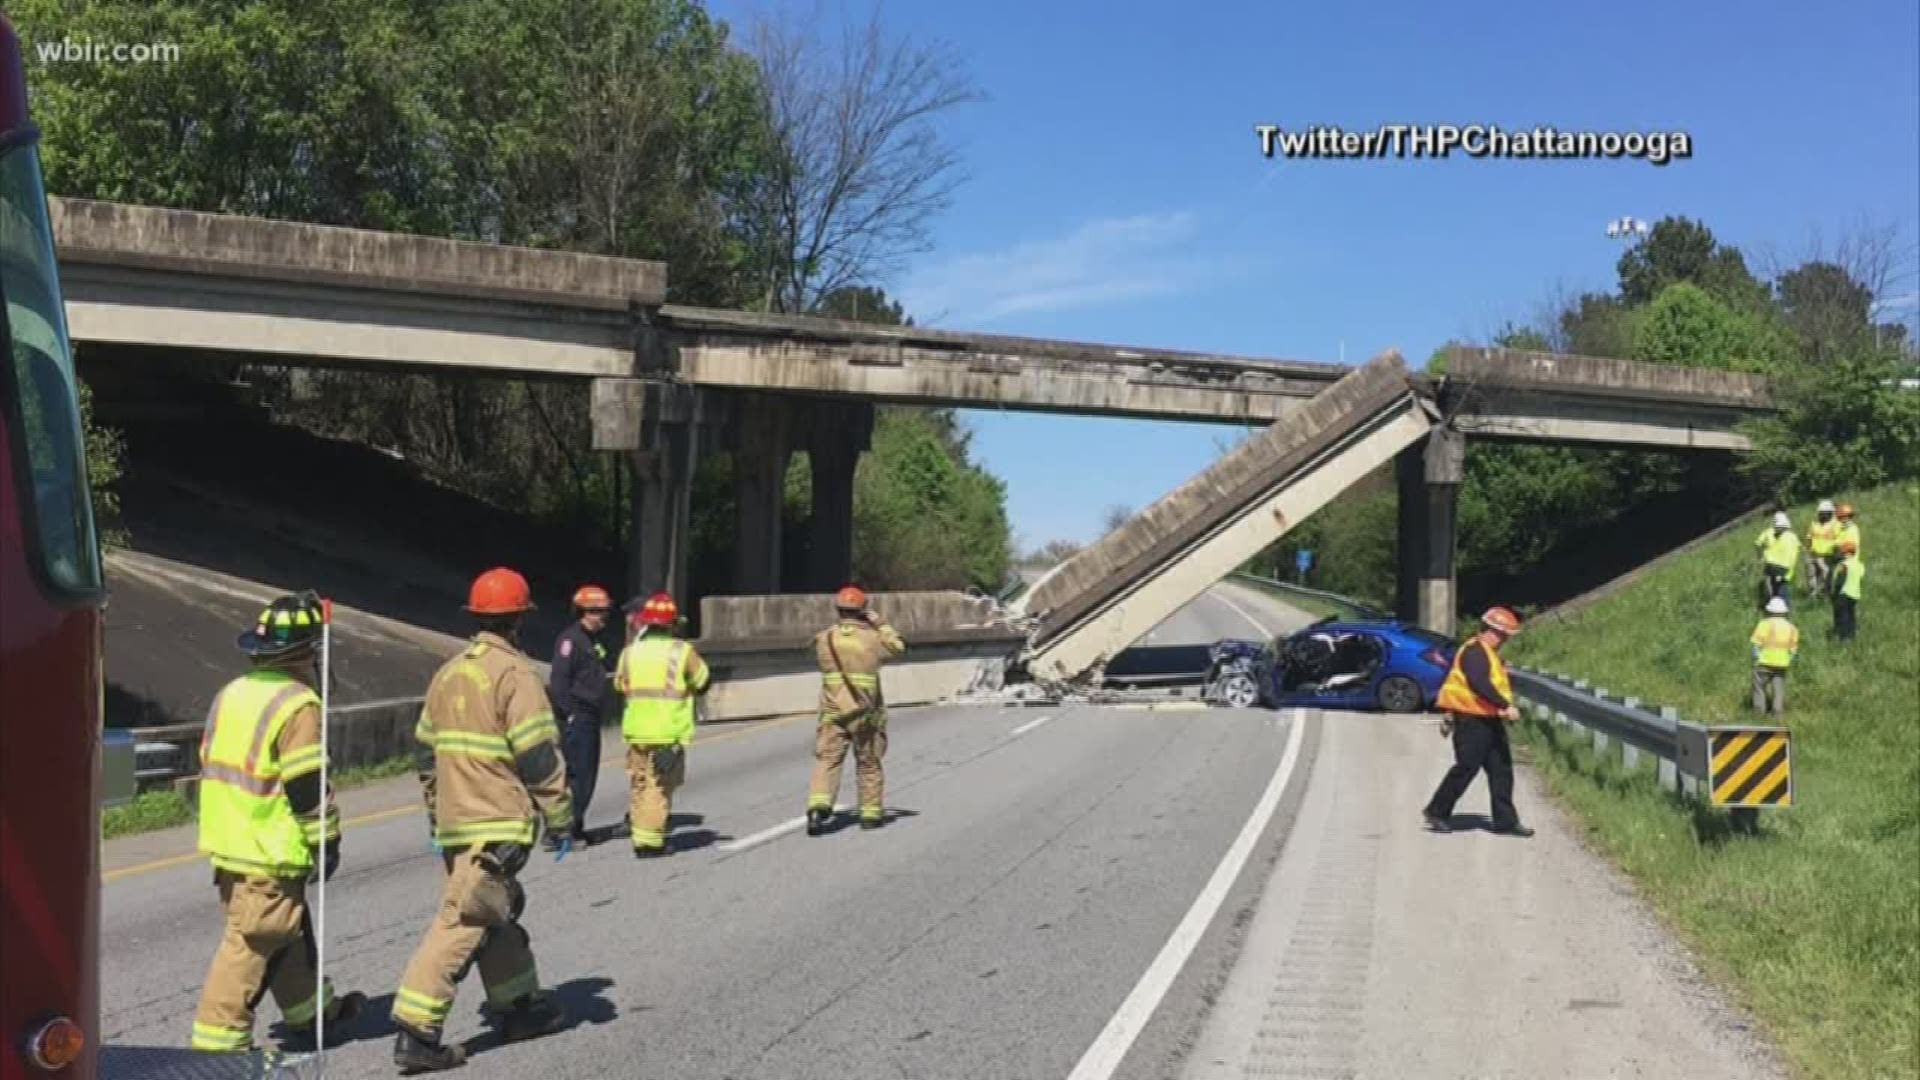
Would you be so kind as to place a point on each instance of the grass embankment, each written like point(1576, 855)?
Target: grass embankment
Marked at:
point(166, 809)
point(1814, 924)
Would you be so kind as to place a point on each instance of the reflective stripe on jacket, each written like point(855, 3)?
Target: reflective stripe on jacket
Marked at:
point(1776, 640)
point(246, 824)
point(660, 675)
point(492, 748)
point(850, 654)
point(1456, 696)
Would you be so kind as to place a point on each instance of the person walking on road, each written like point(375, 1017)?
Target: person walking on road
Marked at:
point(579, 682)
point(853, 712)
point(489, 744)
point(660, 676)
point(1848, 578)
point(1478, 700)
point(1823, 541)
point(1779, 550)
point(1776, 641)
point(262, 819)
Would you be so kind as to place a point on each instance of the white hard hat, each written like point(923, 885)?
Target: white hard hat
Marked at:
point(1777, 606)
point(1782, 521)
point(1826, 506)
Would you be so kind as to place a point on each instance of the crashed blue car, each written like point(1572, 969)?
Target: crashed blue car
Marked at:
point(1360, 665)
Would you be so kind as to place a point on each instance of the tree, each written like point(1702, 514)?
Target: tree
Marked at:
point(1844, 425)
point(863, 303)
point(1678, 249)
point(1827, 309)
point(1596, 324)
point(105, 448)
point(858, 169)
point(1686, 327)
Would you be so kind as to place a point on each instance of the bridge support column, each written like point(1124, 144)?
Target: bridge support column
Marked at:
point(762, 449)
point(838, 433)
point(1429, 475)
point(662, 442)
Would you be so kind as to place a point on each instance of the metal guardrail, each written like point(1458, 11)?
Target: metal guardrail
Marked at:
point(1365, 611)
point(1742, 768)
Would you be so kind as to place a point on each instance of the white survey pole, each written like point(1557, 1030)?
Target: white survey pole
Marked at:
point(326, 807)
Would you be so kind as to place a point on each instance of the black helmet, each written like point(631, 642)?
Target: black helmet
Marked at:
point(289, 625)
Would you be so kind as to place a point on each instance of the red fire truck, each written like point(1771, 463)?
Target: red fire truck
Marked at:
point(51, 598)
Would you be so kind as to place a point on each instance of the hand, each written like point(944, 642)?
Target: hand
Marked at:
point(435, 845)
point(565, 845)
point(1510, 713)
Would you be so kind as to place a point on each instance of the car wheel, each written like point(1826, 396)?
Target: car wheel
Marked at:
point(1239, 691)
point(1399, 694)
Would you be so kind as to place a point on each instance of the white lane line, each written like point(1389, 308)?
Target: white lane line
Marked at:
point(1111, 1046)
point(773, 833)
point(1219, 594)
point(1030, 725)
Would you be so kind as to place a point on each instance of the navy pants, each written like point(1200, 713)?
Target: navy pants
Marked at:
point(580, 745)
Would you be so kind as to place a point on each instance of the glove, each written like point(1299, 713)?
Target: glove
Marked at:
point(435, 845)
point(565, 845)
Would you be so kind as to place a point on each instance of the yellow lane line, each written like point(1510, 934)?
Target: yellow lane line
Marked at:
point(402, 811)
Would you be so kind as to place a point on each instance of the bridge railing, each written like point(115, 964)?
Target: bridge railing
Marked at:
point(1742, 768)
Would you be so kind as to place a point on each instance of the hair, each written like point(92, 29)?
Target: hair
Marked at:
point(504, 625)
point(304, 654)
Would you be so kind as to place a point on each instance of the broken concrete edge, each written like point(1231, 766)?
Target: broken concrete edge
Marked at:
point(1595, 376)
point(1258, 465)
point(197, 242)
point(780, 645)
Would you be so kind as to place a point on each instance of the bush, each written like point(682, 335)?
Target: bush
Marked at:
point(1846, 424)
point(105, 448)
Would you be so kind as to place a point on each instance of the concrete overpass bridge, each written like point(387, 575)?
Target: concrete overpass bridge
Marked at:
point(672, 383)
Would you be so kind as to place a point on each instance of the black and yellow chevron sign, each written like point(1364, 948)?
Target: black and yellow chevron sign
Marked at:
point(1751, 767)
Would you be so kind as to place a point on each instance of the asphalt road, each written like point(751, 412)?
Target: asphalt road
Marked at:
point(1037, 862)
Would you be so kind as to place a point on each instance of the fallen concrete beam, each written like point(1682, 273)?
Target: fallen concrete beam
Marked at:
point(1107, 596)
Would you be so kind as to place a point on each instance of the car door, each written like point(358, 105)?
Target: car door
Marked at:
point(1361, 693)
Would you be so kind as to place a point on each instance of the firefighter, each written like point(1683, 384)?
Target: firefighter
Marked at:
point(261, 821)
point(1478, 700)
point(1776, 642)
point(1848, 578)
point(660, 676)
point(1823, 539)
point(578, 682)
point(852, 710)
point(488, 743)
point(1779, 550)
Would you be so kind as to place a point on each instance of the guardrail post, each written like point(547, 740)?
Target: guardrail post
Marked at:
point(1629, 753)
point(1671, 777)
point(1599, 737)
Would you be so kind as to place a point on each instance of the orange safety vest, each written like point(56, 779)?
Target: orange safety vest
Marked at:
point(1458, 697)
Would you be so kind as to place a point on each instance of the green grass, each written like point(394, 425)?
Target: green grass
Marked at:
point(1814, 924)
point(165, 809)
point(1315, 606)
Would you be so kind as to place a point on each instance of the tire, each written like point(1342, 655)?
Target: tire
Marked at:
point(1237, 690)
point(1399, 694)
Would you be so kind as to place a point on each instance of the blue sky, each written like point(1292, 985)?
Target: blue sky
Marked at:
point(1115, 191)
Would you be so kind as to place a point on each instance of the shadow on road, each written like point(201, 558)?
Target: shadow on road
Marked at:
point(848, 821)
point(584, 1000)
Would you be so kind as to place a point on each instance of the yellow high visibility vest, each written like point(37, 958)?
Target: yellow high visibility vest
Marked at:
point(1823, 536)
point(1856, 572)
point(1776, 638)
point(1456, 696)
point(1849, 531)
point(658, 680)
point(1782, 550)
point(246, 824)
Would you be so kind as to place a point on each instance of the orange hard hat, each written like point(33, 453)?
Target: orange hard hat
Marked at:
point(659, 610)
point(499, 591)
point(1501, 619)
point(592, 598)
point(851, 598)
point(1845, 511)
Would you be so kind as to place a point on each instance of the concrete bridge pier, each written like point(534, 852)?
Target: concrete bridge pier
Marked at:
point(659, 425)
point(838, 433)
point(762, 448)
point(1429, 474)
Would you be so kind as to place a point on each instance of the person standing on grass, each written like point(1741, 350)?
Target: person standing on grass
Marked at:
point(1776, 642)
point(1779, 550)
point(1847, 580)
point(1478, 700)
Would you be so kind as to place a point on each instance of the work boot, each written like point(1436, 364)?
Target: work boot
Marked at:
point(872, 822)
point(413, 1054)
point(817, 819)
point(532, 1016)
point(345, 1008)
point(1435, 822)
point(650, 852)
point(1515, 829)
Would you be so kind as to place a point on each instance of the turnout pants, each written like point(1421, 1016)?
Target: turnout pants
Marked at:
point(1478, 743)
point(656, 772)
point(866, 733)
point(1845, 614)
point(268, 946)
point(478, 924)
point(580, 745)
point(1769, 690)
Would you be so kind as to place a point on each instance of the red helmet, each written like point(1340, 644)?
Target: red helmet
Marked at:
point(499, 591)
point(660, 610)
point(851, 598)
point(592, 598)
point(1501, 619)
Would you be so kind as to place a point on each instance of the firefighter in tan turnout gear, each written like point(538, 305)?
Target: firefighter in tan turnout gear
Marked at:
point(660, 676)
point(489, 749)
point(852, 710)
point(261, 822)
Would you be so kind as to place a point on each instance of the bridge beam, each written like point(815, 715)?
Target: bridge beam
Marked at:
point(1429, 474)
